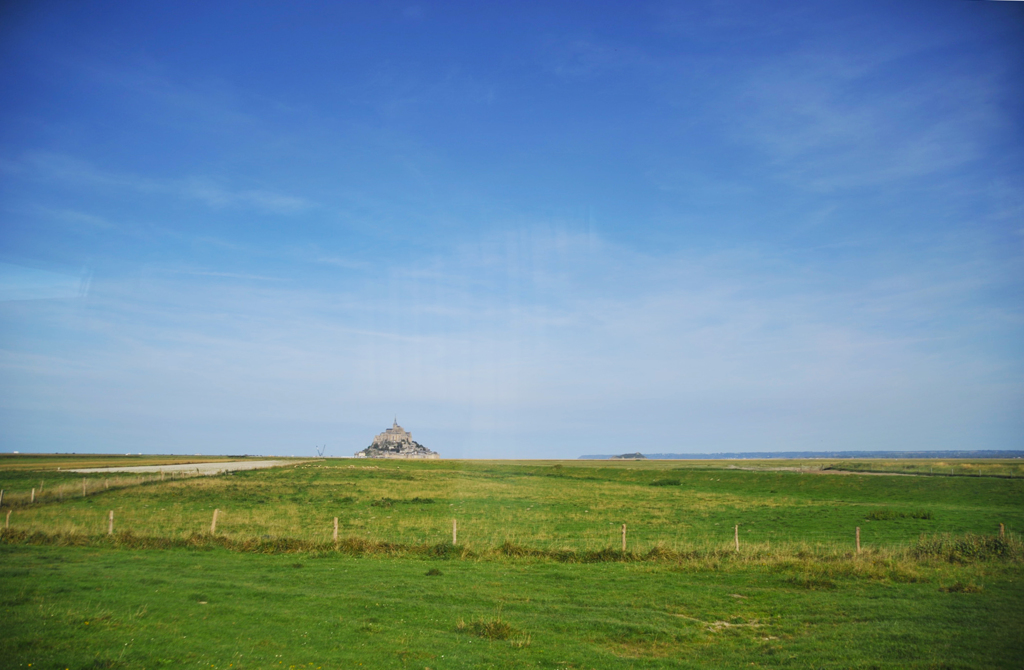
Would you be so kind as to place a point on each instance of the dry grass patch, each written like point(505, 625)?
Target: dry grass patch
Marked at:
point(495, 629)
point(960, 587)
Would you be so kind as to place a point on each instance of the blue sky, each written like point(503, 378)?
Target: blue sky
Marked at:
point(542, 230)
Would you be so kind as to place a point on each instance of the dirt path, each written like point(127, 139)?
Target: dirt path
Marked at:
point(201, 468)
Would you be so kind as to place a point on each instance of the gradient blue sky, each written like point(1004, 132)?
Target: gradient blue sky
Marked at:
point(540, 230)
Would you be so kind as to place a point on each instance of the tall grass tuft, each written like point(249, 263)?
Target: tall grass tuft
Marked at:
point(492, 629)
point(960, 587)
point(968, 548)
point(666, 482)
point(889, 515)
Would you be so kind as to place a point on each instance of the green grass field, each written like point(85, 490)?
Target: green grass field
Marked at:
point(538, 577)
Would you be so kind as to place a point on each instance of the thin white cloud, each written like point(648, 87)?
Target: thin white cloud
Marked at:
point(19, 282)
point(229, 275)
point(835, 121)
point(46, 166)
point(75, 217)
point(524, 335)
point(213, 101)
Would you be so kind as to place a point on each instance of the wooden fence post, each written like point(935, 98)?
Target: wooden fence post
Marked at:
point(623, 538)
point(736, 534)
point(455, 532)
point(213, 525)
point(8, 524)
point(1002, 530)
point(858, 539)
point(110, 524)
point(106, 484)
point(1, 497)
point(33, 496)
point(335, 530)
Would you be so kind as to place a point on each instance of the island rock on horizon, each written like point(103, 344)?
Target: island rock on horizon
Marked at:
point(395, 442)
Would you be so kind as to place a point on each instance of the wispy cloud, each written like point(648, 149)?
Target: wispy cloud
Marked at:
point(74, 217)
point(214, 194)
point(585, 58)
point(227, 275)
point(210, 191)
point(19, 282)
point(522, 337)
point(176, 101)
point(833, 120)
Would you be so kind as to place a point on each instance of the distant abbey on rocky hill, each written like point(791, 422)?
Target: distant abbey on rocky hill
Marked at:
point(395, 442)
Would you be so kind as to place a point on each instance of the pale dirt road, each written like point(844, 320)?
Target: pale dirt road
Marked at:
point(202, 468)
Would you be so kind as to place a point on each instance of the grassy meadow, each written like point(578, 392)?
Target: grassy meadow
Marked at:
point(537, 577)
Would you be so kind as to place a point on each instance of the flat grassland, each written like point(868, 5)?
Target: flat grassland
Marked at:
point(537, 578)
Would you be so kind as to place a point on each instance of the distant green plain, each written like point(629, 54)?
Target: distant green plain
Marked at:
point(537, 578)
